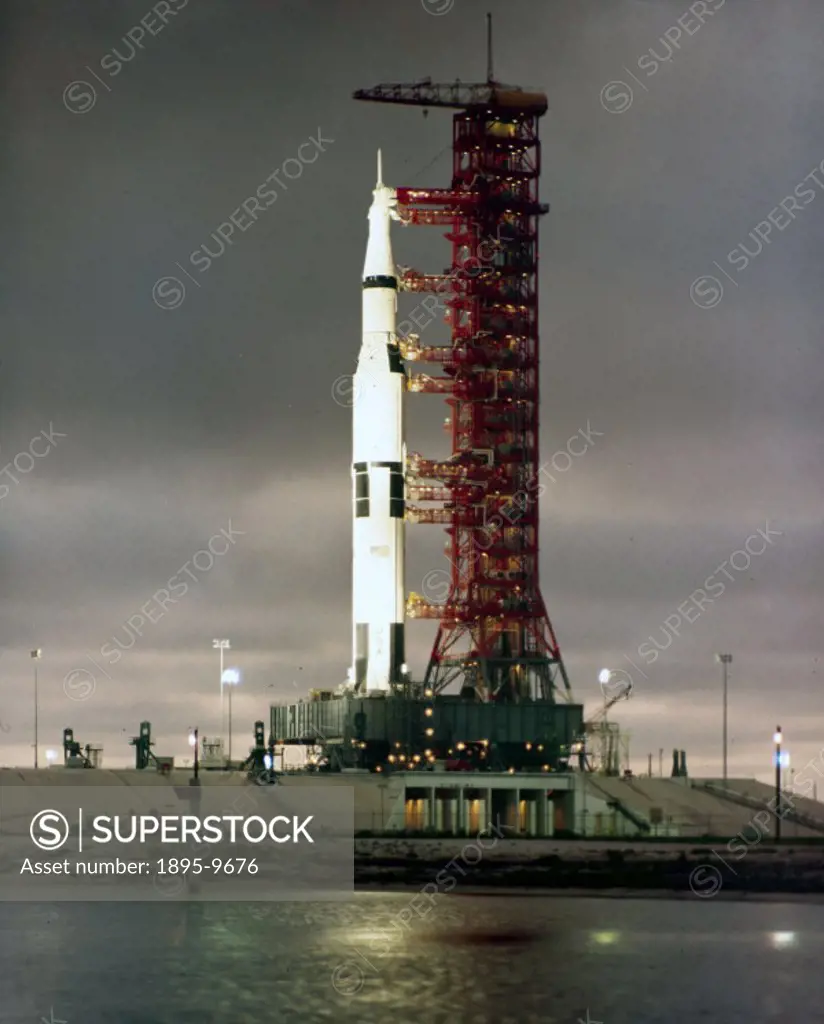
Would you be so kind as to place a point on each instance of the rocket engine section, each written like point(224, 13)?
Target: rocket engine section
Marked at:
point(378, 469)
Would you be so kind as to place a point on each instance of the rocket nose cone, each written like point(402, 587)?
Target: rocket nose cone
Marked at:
point(379, 260)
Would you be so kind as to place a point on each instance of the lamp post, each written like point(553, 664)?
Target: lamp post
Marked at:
point(193, 742)
point(221, 645)
point(777, 738)
point(230, 678)
point(36, 655)
point(604, 677)
point(724, 660)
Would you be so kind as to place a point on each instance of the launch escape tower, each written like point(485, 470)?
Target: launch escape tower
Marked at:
point(494, 636)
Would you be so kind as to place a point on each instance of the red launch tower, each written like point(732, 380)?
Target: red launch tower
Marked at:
point(494, 634)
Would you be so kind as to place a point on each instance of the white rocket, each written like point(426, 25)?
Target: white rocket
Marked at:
point(378, 457)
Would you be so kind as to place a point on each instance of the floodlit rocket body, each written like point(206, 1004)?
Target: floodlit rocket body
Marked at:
point(378, 470)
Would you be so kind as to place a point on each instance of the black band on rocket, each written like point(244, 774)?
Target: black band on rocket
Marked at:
point(395, 361)
point(381, 281)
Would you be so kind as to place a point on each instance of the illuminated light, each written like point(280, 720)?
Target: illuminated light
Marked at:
point(427, 693)
point(783, 939)
point(417, 757)
point(397, 746)
point(511, 771)
point(605, 938)
point(430, 732)
point(410, 766)
point(391, 758)
point(378, 768)
point(231, 677)
point(604, 675)
point(540, 746)
point(428, 753)
point(428, 712)
point(544, 767)
point(529, 746)
point(460, 746)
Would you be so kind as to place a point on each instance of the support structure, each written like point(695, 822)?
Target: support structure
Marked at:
point(495, 639)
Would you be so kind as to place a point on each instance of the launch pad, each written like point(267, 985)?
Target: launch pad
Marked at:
point(408, 732)
point(510, 708)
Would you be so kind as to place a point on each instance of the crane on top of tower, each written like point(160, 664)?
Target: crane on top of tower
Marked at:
point(457, 94)
point(460, 95)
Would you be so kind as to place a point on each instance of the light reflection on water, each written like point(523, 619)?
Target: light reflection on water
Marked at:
point(472, 959)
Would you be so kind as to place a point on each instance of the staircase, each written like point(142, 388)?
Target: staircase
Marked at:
point(642, 824)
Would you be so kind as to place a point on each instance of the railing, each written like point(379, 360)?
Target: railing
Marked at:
point(743, 800)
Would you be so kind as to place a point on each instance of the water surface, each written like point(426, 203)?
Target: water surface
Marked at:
point(469, 959)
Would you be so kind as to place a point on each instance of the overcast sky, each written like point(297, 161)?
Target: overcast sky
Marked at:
point(666, 143)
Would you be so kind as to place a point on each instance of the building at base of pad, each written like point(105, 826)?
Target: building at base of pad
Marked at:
point(522, 805)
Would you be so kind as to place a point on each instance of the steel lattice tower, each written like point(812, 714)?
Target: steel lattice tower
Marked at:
point(494, 634)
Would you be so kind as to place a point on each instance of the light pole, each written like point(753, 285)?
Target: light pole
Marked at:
point(604, 677)
point(230, 678)
point(724, 660)
point(36, 655)
point(193, 742)
point(221, 645)
point(777, 741)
